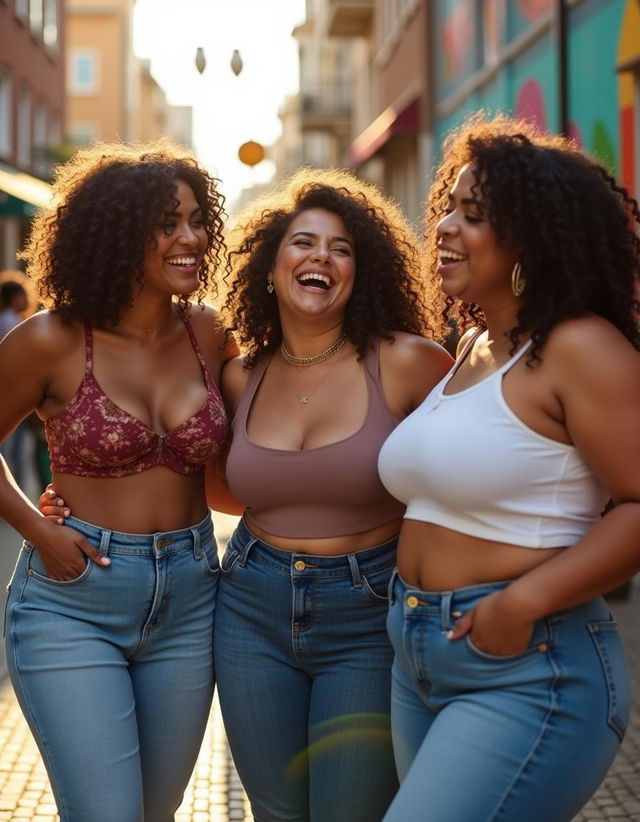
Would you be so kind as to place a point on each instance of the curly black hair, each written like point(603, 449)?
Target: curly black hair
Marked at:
point(86, 252)
point(389, 293)
point(571, 222)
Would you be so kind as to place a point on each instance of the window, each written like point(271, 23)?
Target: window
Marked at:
point(83, 72)
point(24, 128)
point(35, 17)
point(50, 24)
point(40, 147)
point(6, 120)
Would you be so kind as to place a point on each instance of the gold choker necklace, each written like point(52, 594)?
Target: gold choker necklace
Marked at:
point(304, 362)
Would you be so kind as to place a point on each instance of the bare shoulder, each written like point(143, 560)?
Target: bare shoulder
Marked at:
point(590, 346)
point(410, 367)
point(234, 381)
point(45, 336)
point(409, 354)
point(211, 333)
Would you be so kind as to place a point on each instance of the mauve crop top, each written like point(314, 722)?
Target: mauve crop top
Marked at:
point(333, 490)
point(94, 437)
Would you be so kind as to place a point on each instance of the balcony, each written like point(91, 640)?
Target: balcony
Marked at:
point(349, 18)
point(325, 108)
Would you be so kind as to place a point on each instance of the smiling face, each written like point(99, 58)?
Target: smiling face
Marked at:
point(171, 263)
point(314, 269)
point(474, 267)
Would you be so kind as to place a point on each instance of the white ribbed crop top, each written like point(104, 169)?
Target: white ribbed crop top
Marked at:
point(467, 462)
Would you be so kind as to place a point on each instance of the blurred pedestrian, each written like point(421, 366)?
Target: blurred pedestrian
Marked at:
point(510, 689)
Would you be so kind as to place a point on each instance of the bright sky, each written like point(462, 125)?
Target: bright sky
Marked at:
point(228, 110)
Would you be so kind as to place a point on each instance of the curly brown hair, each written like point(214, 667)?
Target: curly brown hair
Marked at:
point(86, 252)
point(572, 223)
point(389, 292)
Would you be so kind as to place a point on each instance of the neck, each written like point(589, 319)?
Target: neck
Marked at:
point(146, 321)
point(305, 342)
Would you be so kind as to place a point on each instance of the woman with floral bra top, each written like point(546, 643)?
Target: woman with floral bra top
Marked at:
point(112, 665)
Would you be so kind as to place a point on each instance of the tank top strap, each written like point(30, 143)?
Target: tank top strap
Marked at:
point(255, 378)
point(514, 359)
point(378, 401)
point(88, 346)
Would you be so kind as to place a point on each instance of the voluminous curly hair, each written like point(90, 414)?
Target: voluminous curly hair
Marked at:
point(86, 252)
point(572, 224)
point(389, 292)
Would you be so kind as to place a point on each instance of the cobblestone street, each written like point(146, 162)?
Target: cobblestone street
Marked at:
point(215, 793)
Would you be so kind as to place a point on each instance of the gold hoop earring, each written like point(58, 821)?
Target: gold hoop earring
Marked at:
point(270, 288)
point(518, 282)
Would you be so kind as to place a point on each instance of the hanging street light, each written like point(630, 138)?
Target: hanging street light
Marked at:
point(236, 62)
point(201, 60)
point(251, 153)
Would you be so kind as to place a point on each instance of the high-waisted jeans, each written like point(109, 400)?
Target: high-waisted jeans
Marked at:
point(483, 738)
point(113, 670)
point(303, 670)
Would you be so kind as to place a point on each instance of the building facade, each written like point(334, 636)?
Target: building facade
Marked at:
point(32, 109)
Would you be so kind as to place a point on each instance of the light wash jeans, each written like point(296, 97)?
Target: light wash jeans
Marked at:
point(113, 670)
point(483, 738)
point(303, 670)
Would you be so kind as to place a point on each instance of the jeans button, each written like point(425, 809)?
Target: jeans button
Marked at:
point(412, 602)
point(299, 565)
point(543, 647)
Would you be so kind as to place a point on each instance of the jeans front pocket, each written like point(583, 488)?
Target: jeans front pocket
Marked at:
point(376, 583)
point(37, 570)
point(208, 554)
point(539, 642)
point(606, 639)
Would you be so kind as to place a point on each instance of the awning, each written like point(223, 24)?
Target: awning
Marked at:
point(21, 194)
point(400, 118)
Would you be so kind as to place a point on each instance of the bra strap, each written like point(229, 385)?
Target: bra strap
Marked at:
point(194, 340)
point(88, 346)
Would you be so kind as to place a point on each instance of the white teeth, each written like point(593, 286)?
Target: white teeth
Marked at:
point(313, 275)
point(451, 256)
point(182, 260)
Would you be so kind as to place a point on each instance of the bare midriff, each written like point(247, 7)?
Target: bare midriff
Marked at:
point(330, 546)
point(158, 499)
point(434, 558)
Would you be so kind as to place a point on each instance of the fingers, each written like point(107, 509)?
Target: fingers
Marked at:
point(461, 627)
point(92, 553)
point(49, 504)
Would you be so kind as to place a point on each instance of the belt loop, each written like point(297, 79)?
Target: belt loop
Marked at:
point(243, 553)
point(445, 610)
point(392, 580)
point(196, 543)
point(355, 570)
point(105, 539)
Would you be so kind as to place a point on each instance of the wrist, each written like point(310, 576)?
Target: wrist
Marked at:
point(522, 602)
point(38, 529)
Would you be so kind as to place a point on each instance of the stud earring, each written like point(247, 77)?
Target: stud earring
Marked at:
point(518, 282)
point(270, 288)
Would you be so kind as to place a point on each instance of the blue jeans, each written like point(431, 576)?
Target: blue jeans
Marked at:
point(113, 670)
point(483, 738)
point(303, 669)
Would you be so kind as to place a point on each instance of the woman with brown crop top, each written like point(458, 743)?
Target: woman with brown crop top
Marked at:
point(325, 298)
point(111, 660)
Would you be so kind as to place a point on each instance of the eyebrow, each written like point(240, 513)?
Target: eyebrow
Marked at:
point(467, 201)
point(314, 236)
point(176, 210)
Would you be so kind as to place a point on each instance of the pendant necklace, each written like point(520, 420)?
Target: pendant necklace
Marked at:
point(303, 399)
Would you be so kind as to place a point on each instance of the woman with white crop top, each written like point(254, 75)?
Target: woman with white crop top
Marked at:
point(510, 694)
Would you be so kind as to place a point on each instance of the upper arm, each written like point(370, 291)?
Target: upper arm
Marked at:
point(217, 344)
point(27, 362)
point(597, 374)
point(411, 367)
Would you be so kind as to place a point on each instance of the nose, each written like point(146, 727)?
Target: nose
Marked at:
point(446, 225)
point(187, 235)
point(320, 251)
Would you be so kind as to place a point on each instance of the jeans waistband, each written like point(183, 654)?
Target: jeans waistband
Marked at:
point(458, 596)
point(244, 541)
point(156, 544)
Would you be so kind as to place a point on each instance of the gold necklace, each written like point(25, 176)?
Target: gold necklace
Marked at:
point(305, 362)
point(303, 399)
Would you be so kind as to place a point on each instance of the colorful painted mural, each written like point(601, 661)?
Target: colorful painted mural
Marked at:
point(603, 71)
